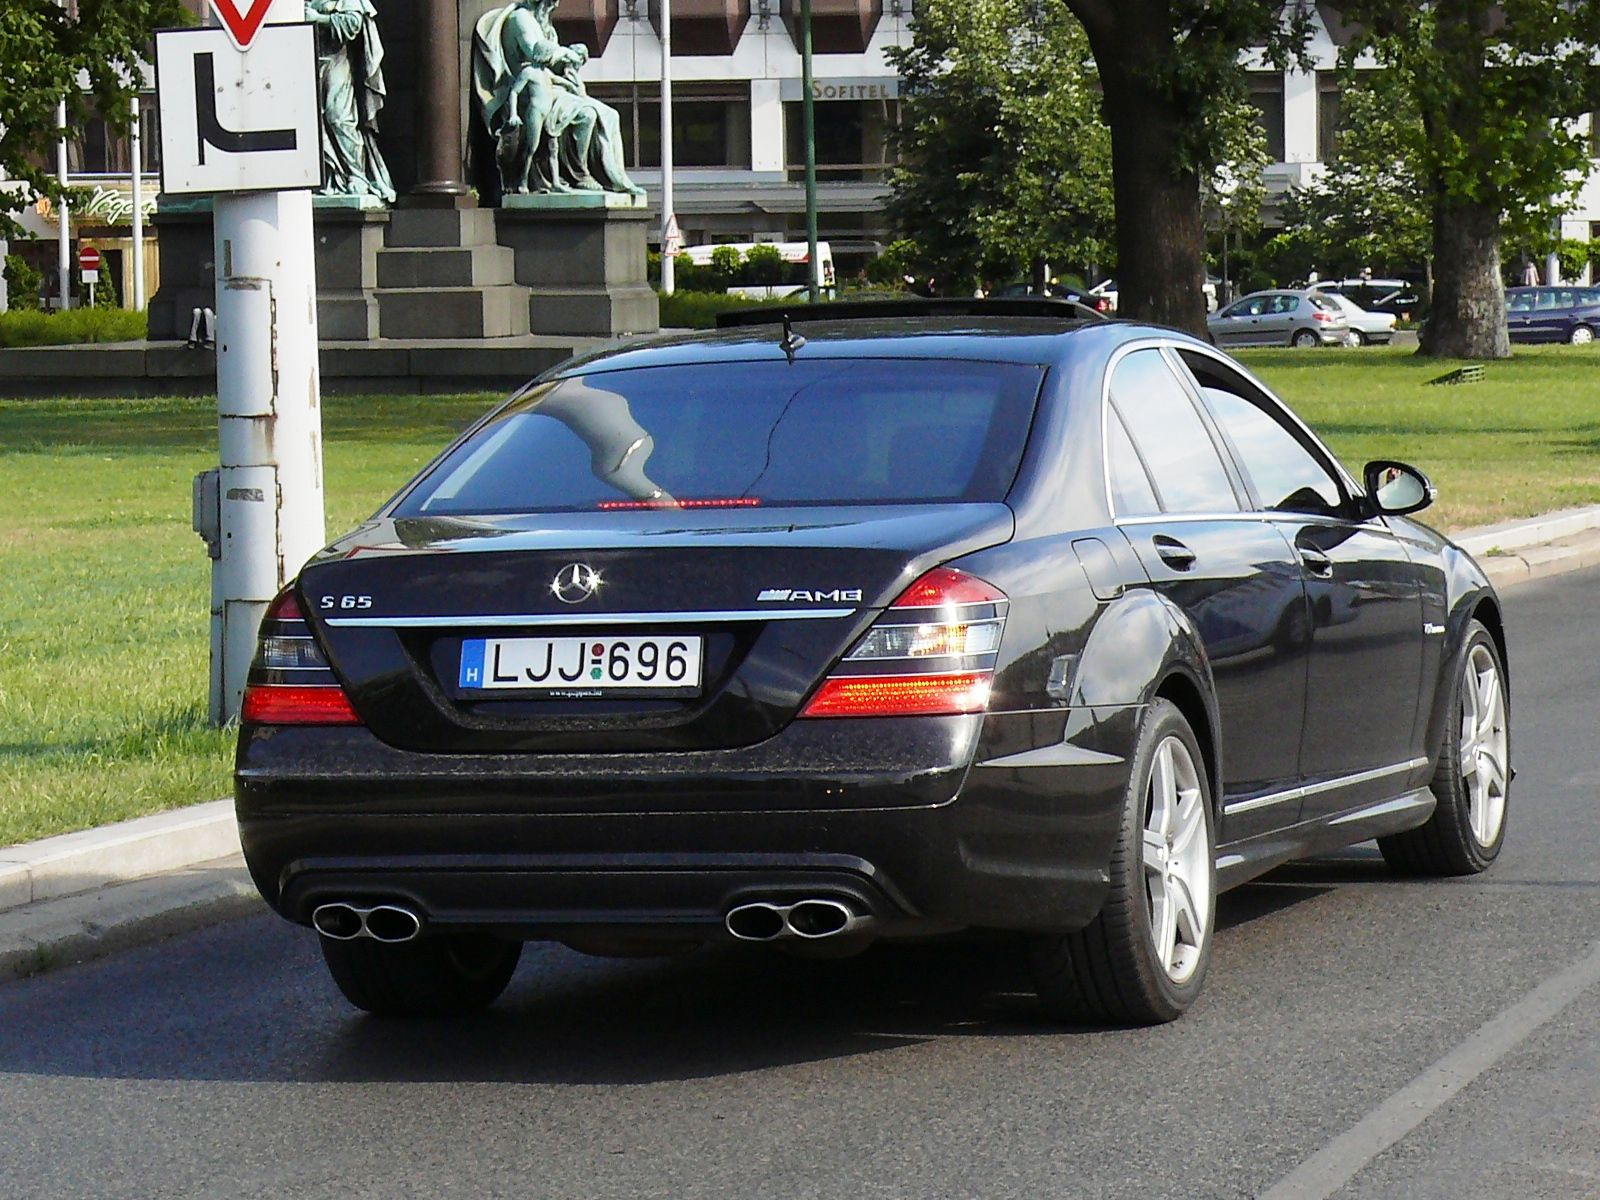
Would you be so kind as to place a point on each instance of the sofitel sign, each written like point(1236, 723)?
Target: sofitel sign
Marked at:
point(842, 89)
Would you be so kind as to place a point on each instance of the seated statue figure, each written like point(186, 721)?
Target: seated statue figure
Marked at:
point(549, 134)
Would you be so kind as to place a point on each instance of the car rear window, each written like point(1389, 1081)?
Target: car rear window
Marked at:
point(825, 431)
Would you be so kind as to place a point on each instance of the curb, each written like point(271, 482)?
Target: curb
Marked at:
point(83, 895)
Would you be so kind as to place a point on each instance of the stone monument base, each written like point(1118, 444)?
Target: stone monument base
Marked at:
point(583, 256)
point(348, 233)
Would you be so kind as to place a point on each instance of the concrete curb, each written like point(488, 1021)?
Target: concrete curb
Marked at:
point(82, 895)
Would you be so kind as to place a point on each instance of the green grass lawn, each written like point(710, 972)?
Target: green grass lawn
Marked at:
point(104, 588)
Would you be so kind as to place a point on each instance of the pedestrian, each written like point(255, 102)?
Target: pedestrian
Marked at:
point(1530, 273)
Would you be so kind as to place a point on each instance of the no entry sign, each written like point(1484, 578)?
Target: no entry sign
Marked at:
point(89, 264)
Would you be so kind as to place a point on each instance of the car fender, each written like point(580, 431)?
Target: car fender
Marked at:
point(1468, 595)
point(1136, 646)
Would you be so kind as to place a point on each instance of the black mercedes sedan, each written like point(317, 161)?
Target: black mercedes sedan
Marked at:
point(867, 625)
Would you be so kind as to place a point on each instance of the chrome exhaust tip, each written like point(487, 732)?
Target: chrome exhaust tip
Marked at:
point(382, 923)
point(759, 922)
point(820, 918)
point(391, 923)
point(341, 922)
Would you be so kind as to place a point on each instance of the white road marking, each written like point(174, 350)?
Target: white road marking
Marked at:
point(1333, 1166)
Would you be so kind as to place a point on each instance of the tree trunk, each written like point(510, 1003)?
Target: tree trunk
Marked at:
point(1160, 236)
point(1468, 315)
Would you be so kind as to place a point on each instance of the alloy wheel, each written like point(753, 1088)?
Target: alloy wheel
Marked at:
point(1177, 853)
point(1581, 335)
point(1484, 744)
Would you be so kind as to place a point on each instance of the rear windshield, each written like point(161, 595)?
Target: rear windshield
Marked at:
point(743, 435)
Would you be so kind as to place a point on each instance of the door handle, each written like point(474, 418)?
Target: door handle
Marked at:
point(1318, 563)
point(1173, 552)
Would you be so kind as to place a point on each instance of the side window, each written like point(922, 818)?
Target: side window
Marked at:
point(1521, 302)
point(1171, 438)
point(1286, 475)
point(1131, 490)
point(1546, 298)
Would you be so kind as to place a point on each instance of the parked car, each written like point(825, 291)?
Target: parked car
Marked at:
point(885, 621)
point(1376, 328)
point(1553, 314)
point(1057, 291)
point(1279, 318)
point(1397, 296)
point(1107, 288)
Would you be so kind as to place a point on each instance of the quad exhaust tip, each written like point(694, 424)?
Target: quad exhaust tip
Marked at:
point(812, 920)
point(382, 923)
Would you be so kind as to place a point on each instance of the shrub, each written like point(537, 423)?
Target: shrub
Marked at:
point(698, 310)
point(764, 265)
point(34, 328)
point(22, 283)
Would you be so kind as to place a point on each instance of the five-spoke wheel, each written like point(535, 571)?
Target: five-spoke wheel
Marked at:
point(1472, 782)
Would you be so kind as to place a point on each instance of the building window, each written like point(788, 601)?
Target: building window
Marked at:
point(710, 123)
point(852, 138)
point(1266, 94)
point(97, 151)
point(1329, 99)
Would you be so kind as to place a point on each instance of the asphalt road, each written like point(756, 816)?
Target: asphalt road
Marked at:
point(1359, 1036)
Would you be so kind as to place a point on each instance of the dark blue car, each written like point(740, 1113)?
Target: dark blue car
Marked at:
point(1553, 314)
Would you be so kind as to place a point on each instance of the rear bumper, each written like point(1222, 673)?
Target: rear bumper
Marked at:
point(922, 823)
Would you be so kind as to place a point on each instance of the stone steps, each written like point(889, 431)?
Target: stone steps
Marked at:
point(441, 274)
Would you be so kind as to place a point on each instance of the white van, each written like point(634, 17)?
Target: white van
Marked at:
point(796, 258)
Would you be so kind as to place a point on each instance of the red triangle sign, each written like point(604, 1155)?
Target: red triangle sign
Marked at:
point(241, 18)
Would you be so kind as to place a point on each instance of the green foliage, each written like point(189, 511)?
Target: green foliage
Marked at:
point(22, 284)
point(902, 257)
point(30, 327)
point(1574, 258)
point(1003, 158)
point(49, 51)
point(1491, 81)
point(1235, 188)
point(726, 261)
point(698, 310)
point(1370, 208)
point(764, 265)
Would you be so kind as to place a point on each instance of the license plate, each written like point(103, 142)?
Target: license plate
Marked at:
point(582, 667)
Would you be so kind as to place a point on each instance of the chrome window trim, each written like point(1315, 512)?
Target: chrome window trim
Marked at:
point(594, 618)
point(1315, 789)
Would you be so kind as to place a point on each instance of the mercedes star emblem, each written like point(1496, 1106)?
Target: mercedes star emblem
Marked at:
point(575, 583)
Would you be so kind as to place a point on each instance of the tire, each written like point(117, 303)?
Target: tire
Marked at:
point(1304, 338)
point(1142, 960)
point(1472, 782)
point(433, 976)
point(1580, 335)
point(1355, 338)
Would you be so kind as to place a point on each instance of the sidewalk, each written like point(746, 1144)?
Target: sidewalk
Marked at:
point(82, 895)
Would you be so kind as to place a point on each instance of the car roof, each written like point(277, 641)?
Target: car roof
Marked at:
point(1019, 339)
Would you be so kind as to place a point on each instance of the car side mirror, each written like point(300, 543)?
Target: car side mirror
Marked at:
point(1397, 488)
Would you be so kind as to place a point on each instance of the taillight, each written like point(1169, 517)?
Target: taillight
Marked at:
point(290, 681)
point(932, 653)
point(1319, 315)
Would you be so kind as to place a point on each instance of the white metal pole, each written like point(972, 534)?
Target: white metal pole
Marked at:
point(137, 181)
point(668, 224)
point(64, 228)
point(270, 415)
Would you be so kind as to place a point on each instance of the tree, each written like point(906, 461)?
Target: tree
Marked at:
point(1370, 207)
point(1003, 161)
point(1168, 69)
point(1493, 82)
point(82, 51)
point(1232, 193)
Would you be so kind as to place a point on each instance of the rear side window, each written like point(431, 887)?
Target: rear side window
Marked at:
point(825, 431)
point(1170, 437)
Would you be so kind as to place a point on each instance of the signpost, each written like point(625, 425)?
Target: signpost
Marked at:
point(239, 120)
point(89, 268)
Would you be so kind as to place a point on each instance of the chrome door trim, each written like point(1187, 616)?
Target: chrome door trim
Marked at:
point(1315, 789)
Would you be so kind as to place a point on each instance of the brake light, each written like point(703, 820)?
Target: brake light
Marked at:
point(932, 653)
point(290, 680)
point(1319, 315)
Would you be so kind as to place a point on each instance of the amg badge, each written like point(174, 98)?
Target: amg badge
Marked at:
point(810, 596)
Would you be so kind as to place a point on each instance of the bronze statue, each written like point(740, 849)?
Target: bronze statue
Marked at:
point(548, 134)
point(350, 85)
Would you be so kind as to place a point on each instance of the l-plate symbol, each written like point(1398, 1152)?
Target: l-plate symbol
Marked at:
point(209, 128)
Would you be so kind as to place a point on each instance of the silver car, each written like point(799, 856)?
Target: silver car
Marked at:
point(1376, 328)
point(1279, 318)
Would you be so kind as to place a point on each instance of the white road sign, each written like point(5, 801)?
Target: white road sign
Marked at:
point(238, 121)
